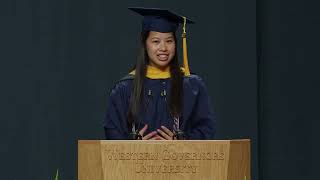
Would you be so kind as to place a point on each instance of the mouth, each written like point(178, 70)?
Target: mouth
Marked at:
point(163, 57)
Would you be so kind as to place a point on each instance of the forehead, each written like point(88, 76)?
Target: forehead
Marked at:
point(155, 34)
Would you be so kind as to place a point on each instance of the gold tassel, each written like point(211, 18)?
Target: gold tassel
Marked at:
point(184, 46)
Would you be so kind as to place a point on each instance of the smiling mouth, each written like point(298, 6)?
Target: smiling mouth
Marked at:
point(163, 57)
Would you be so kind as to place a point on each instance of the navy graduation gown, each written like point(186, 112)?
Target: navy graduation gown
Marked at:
point(197, 121)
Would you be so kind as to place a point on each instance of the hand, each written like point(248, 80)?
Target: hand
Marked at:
point(165, 133)
point(151, 136)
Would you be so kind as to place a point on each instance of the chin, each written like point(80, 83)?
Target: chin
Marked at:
point(163, 64)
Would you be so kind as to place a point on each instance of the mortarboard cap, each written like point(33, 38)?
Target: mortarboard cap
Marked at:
point(162, 20)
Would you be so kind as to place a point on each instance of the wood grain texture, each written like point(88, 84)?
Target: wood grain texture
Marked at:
point(89, 160)
point(239, 163)
point(164, 160)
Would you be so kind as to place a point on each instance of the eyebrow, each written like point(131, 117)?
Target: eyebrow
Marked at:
point(170, 37)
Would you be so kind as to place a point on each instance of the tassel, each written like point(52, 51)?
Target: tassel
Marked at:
point(184, 46)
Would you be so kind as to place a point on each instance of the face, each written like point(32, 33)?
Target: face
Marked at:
point(160, 49)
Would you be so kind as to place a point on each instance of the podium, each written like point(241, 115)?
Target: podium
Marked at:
point(164, 160)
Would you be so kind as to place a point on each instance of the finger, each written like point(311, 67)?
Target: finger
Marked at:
point(166, 130)
point(160, 137)
point(150, 135)
point(157, 137)
point(164, 135)
point(143, 130)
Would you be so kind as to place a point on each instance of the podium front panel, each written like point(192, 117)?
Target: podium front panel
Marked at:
point(164, 160)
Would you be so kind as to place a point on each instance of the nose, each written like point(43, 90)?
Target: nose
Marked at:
point(163, 46)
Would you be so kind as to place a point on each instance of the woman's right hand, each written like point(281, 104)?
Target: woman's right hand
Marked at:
point(151, 136)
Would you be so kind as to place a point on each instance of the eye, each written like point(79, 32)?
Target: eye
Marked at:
point(170, 41)
point(155, 41)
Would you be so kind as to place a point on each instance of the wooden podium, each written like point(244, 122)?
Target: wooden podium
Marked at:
point(164, 160)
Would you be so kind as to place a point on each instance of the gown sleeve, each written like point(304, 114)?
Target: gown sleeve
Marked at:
point(202, 123)
point(115, 123)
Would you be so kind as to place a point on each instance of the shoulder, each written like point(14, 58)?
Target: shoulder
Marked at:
point(193, 77)
point(123, 86)
point(128, 77)
point(194, 85)
point(193, 80)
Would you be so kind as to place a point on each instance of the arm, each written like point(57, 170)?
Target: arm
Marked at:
point(115, 123)
point(202, 124)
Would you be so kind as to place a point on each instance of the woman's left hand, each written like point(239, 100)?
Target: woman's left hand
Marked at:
point(165, 133)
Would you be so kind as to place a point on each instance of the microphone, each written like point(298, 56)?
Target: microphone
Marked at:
point(178, 133)
point(134, 135)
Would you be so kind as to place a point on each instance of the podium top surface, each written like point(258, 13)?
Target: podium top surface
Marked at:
point(162, 141)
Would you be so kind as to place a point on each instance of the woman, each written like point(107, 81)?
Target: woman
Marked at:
point(159, 100)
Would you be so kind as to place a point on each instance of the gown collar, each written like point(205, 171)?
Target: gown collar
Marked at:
point(156, 73)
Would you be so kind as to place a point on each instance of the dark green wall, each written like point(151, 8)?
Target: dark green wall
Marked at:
point(288, 39)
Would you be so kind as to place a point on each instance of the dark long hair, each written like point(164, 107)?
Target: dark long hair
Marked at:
point(176, 91)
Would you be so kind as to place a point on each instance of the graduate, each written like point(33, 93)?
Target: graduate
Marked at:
point(158, 99)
